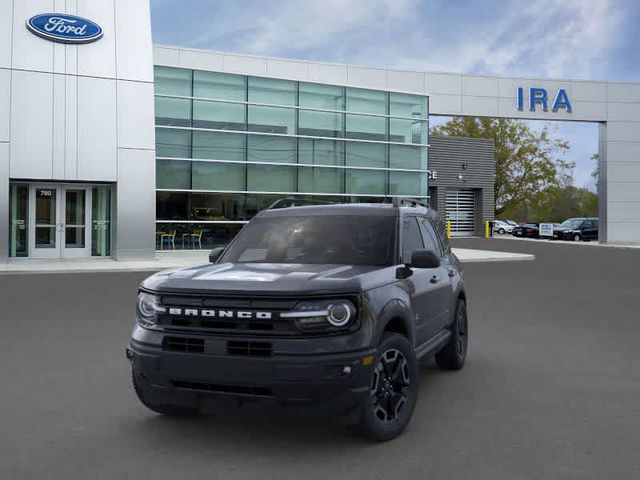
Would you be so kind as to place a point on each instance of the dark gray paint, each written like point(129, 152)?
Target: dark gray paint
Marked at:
point(446, 156)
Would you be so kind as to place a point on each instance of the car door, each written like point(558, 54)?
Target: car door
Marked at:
point(442, 294)
point(591, 230)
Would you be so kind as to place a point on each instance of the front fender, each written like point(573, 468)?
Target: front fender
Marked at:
point(396, 311)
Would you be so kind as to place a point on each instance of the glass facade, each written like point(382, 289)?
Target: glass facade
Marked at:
point(229, 145)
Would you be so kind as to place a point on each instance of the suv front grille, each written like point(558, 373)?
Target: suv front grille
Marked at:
point(249, 349)
point(181, 344)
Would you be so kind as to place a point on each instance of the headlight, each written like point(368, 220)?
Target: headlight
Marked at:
point(147, 310)
point(323, 315)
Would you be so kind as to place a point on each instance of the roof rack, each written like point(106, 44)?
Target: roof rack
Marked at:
point(294, 202)
point(409, 202)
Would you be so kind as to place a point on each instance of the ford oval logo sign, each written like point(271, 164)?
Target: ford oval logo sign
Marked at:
point(60, 27)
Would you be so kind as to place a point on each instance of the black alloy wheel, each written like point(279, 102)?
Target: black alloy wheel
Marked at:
point(454, 354)
point(390, 385)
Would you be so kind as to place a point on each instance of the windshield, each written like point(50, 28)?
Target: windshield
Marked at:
point(571, 223)
point(330, 239)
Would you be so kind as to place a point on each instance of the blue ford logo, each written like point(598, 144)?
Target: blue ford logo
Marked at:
point(60, 27)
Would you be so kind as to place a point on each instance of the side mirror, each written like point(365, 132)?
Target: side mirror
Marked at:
point(214, 254)
point(424, 259)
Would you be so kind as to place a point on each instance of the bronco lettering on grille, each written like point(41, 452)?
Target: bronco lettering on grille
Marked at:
point(241, 314)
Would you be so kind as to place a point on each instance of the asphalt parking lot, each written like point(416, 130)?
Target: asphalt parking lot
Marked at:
point(551, 389)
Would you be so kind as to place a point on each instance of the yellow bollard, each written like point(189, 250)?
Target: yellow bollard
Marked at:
point(449, 230)
point(487, 233)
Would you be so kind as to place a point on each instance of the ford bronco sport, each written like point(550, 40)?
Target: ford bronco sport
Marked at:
point(318, 309)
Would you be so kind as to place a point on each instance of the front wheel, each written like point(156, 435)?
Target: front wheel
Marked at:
point(454, 353)
point(394, 386)
point(501, 231)
point(576, 238)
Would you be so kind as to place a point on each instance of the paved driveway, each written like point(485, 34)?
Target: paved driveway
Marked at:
point(551, 388)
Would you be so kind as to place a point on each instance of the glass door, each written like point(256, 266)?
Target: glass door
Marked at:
point(44, 220)
point(59, 221)
point(75, 226)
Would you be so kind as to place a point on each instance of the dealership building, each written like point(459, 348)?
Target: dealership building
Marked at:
point(113, 147)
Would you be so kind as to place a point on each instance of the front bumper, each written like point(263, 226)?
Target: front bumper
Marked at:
point(327, 384)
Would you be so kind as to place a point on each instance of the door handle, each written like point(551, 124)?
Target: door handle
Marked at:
point(434, 279)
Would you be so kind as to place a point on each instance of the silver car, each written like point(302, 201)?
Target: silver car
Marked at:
point(501, 227)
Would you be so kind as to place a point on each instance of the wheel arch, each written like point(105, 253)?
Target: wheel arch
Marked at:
point(396, 317)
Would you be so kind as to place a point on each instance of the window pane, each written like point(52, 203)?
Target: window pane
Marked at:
point(366, 154)
point(366, 101)
point(320, 124)
point(172, 81)
point(366, 127)
point(218, 176)
point(327, 97)
point(221, 116)
point(173, 143)
point(272, 120)
point(408, 183)
point(217, 206)
point(264, 148)
point(321, 152)
point(429, 236)
point(408, 131)
point(173, 174)
point(172, 236)
point(271, 178)
point(101, 222)
point(411, 238)
point(173, 111)
point(219, 145)
point(275, 92)
point(18, 207)
point(320, 180)
point(404, 105)
point(172, 205)
point(218, 85)
point(367, 181)
point(402, 156)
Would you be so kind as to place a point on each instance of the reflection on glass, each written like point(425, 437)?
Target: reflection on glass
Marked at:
point(45, 232)
point(173, 174)
point(265, 148)
point(218, 176)
point(218, 115)
point(405, 105)
point(317, 151)
point(320, 180)
point(271, 91)
point(272, 120)
point(74, 219)
point(408, 131)
point(408, 157)
point(367, 181)
point(326, 97)
point(320, 124)
point(172, 81)
point(18, 208)
point(173, 111)
point(366, 101)
point(366, 155)
point(412, 184)
point(271, 178)
point(101, 221)
point(173, 143)
point(222, 86)
point(366, 127)
point(219, 145)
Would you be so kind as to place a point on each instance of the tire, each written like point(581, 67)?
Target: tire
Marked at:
point(394, 387)
point(168, 410)
point(501, 231)
point(454, 354)
point(577, 238)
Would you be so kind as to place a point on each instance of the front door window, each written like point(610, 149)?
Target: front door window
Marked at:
point(46, 207)
point(75, 228)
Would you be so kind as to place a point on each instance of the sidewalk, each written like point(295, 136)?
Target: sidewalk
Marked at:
point(186, 259)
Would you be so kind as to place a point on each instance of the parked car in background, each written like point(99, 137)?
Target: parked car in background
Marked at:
point(501, 227)
point(577, 229)
point(511, 222)
point(529, 230)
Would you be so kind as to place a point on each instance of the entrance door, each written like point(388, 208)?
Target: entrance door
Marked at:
point(59, 221)
point(461, 211)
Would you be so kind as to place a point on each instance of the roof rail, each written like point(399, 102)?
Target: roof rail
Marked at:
point(409, 202)
point(294, 202)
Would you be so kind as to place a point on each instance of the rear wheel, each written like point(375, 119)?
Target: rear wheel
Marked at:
point(576, 238)
point(453, 355)
point(169, 410)
point(501, 231)
point(394, 387)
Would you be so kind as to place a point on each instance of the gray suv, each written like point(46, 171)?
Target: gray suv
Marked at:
point(310, 310)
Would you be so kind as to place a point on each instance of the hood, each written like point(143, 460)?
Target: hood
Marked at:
point(268, 278)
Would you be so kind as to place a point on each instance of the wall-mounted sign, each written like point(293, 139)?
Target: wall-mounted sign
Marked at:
point(60, 27)
point(432, 174)
point(539, 96)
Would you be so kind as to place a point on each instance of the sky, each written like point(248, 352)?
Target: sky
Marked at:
point(584, 39)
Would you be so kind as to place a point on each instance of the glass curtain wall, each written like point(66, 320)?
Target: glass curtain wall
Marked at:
point(228, 146)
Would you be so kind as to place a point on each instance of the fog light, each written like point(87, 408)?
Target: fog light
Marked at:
point(368, 360)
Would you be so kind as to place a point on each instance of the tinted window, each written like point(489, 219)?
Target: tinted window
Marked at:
point(411, 238)
point(429, 236)
point(330, 239)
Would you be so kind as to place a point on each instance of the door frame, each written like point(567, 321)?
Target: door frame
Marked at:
point(60, 250)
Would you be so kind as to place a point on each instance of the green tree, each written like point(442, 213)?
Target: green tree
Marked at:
point(557, 204)
point(527, 161)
